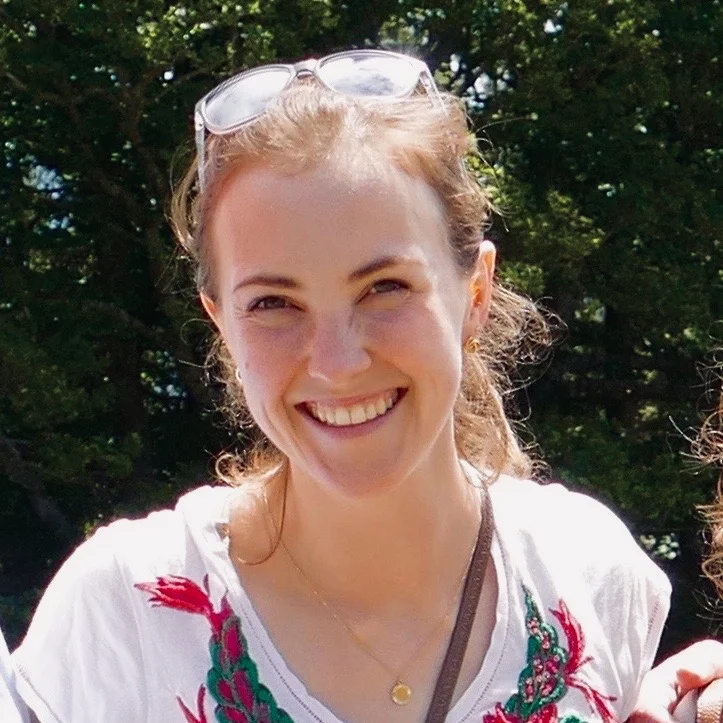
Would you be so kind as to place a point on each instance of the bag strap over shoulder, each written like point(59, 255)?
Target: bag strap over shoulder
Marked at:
point(449, 673)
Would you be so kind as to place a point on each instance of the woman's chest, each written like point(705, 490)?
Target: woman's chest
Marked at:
point(212, 664)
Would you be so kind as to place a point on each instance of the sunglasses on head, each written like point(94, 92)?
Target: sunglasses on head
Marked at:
point(373, 74)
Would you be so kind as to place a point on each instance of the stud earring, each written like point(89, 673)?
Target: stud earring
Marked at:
point(238, 378)
point(472, 345)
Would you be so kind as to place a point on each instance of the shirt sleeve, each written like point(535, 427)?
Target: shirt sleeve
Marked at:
point(630, 593)
point(576, 549)
point(81, 661)
point(633, 593)
point(12, 709)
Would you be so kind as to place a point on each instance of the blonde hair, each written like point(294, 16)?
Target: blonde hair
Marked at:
point(308, 124)
point(708, 447)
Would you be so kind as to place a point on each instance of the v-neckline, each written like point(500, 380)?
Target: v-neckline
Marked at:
point(268, 658)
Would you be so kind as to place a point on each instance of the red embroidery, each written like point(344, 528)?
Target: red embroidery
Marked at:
point(233, 677)
point(190, 717)
point(240, 697)
point(550, 672)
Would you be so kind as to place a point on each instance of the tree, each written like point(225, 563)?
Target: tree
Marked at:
point(600, 121)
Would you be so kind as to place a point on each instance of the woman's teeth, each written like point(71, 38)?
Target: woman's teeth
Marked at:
point(339, 416)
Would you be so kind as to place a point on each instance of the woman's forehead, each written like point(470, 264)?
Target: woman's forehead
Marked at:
point(326, 214)
point(359, 175)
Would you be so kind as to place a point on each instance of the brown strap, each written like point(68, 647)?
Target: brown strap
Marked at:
point(449, 673)
point(710, 703)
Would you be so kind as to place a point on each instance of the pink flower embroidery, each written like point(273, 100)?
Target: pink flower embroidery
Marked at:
point(550, 672)
point(233, 677)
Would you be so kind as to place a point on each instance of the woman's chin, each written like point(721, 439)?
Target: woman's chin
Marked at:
point(358, 479)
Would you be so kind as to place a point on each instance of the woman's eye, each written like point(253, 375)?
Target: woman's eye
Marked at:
point(386, 286)
point(268, 303)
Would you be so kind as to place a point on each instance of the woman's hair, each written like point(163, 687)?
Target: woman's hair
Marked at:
point(308, 125)
point(709, 448)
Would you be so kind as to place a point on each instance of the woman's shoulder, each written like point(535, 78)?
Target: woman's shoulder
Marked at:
point(95, 601)
point(200, 507)
point(163, 542)
point(560, 527)
point(551, 505)
point(158, 537)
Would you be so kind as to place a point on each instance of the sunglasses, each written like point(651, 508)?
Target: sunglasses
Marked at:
point(373, 74)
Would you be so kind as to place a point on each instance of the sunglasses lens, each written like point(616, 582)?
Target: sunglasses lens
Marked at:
point(244, 98)
point(370, 75)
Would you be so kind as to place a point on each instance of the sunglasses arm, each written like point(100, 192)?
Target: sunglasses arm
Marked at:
point(430, 85)
point(200, 145)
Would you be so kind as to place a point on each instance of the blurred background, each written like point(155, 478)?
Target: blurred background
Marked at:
point(601, 123)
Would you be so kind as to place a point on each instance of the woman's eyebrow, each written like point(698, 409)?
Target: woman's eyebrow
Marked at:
point(382, 263)
point(282, 282)
point(285, 282)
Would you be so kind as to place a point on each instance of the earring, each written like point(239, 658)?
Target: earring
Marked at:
point(240, 381)
point(472, 345)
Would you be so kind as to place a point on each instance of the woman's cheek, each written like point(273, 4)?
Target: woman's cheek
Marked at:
point(270, 362)
point(390, 326)
point(411, 328)
point(269, 353)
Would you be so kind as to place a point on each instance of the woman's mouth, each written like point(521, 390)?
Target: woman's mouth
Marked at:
point(337, 415)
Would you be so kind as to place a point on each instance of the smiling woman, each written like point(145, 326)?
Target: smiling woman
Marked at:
point(337, 239)
point(310, 326)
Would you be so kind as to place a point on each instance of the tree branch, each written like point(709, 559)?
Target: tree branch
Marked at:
point(26, 476)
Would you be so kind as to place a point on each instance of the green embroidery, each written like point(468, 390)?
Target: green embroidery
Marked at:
point(233, 679)
point(550, 671)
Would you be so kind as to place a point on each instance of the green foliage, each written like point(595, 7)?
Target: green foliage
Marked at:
point(15, 611)
point(600, 120)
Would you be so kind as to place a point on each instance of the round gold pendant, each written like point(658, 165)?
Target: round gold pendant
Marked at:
point(401, 693)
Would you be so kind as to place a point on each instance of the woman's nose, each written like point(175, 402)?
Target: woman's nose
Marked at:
point(337, 351)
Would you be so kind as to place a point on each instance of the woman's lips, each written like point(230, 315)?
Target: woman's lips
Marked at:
point(350, 415)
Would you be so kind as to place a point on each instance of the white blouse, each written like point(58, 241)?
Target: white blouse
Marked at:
point(12, 709)
point(147, 621)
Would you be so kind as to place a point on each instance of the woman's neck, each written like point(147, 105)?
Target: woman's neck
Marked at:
point(397, 548)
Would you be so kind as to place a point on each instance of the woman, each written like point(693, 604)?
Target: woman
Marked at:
point(338, 246)
point(670, 690)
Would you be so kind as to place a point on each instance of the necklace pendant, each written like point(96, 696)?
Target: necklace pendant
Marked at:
point(401, 693)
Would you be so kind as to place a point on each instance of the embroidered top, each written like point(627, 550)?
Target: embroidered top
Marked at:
point(147, 622)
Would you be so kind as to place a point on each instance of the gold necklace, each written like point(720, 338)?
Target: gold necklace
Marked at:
point(400, 692)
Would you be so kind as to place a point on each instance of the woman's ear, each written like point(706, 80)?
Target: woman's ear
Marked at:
point(212, 309)
point(480, 289)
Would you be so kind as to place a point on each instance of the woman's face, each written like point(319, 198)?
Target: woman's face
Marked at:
point(340, 303)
